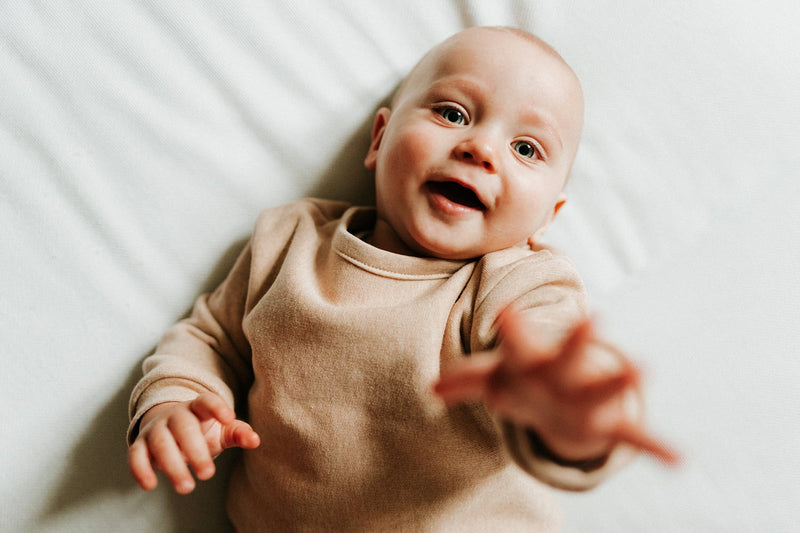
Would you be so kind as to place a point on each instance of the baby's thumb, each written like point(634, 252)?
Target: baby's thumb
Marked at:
point(515, 338)
point(238, 434)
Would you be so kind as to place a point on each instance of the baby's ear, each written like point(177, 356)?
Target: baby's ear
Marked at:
point(562, 199)
point(378, 127)
point(537, 236)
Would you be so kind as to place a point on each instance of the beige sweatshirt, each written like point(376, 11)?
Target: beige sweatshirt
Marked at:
point(329, 347)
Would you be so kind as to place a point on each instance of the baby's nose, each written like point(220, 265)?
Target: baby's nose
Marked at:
point(479, 151)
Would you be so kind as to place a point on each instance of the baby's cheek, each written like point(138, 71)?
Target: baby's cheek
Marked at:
point(415, 147)
point(532, 207)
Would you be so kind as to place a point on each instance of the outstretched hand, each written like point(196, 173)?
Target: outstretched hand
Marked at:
point(176, 435)
point(576, 412)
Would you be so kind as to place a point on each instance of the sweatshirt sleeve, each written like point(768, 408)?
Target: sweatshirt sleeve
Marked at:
point(546, 287)
point(206, 352)
point(209, 350)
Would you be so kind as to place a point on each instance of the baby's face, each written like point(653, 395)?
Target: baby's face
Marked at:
point(476, 149)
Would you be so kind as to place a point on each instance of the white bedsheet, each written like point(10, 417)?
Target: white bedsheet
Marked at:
point(139, 140)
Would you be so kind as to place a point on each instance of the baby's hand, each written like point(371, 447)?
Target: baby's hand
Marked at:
point(175, 434)
point(578, 414)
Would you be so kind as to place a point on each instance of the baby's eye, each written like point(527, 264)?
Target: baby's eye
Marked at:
point(453, 115)
point(525, 149)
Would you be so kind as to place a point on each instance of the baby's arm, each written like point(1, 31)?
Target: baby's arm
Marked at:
point(577, 413)
point(176, 434)
point(181, 410)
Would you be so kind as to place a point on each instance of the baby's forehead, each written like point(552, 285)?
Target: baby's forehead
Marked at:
point(455, 54)
point(509, 39)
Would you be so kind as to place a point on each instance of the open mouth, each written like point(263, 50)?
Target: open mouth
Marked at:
point(457, 193)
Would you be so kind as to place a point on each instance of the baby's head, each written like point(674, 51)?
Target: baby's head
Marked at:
point(473, 154)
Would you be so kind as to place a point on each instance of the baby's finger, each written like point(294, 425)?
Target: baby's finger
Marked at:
point(516, 339)
point(169, 459)
point(141, 466)
point(208, 406)
point(239, 434)
point(190, 440)
point(577, 341)
point(604, 389)
point(638, 438)
point(466, 380)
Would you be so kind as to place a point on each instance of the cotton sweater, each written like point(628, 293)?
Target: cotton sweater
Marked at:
point(329, 346)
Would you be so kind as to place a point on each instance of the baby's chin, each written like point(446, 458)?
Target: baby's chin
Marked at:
point(447, 251)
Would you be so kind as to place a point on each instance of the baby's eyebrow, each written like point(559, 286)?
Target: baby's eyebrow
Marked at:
point(541, 121)
point(468, 86)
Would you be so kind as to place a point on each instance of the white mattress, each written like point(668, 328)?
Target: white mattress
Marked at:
point(139, 140)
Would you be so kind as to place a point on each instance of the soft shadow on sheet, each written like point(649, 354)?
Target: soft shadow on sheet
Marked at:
point(97, 466)
point(345, 177)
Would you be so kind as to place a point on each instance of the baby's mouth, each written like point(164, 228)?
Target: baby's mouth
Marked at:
point(457, 193)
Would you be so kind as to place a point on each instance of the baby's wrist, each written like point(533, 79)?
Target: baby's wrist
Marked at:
point(155, 411)
point(586, 460)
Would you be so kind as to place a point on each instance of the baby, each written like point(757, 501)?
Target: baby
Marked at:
point(421, 365)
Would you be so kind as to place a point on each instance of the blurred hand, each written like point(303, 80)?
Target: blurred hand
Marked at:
point(578, 414)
